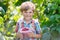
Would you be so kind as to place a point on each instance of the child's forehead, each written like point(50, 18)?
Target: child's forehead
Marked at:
point(30, 10)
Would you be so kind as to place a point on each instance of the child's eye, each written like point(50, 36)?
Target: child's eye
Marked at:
point(30, 12)
point(25, 12)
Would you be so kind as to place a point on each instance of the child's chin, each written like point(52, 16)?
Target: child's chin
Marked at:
point(28, 18)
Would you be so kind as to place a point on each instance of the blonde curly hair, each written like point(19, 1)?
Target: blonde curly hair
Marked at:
point(26, 6)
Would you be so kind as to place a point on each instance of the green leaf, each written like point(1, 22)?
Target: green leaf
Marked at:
point(1, 20)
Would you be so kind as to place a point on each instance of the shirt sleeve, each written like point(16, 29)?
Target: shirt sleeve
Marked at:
point(17, 26)
point(38, 29)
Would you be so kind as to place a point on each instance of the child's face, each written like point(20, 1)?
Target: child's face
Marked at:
point(28, 14)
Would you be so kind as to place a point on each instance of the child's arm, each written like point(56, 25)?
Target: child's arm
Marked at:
point(38, 30)
point(18, 34)
point(38, 36)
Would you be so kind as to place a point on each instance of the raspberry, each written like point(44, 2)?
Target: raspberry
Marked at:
point(25, 29)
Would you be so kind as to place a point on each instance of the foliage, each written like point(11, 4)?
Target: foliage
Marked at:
point(49, 17)
point(47, 11)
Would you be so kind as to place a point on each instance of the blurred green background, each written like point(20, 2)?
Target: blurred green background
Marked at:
point(47, 12)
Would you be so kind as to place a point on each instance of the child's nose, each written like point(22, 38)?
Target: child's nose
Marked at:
point(28, 13)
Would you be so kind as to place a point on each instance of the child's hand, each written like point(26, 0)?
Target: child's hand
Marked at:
point(19, 35)
point(31, 34)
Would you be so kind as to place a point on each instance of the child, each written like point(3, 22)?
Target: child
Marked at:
point(27, 23)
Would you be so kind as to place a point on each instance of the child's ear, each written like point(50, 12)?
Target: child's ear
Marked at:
point(22, 13)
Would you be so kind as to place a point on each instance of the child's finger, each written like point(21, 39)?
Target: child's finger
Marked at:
point(21, 36)
point(30, 34)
